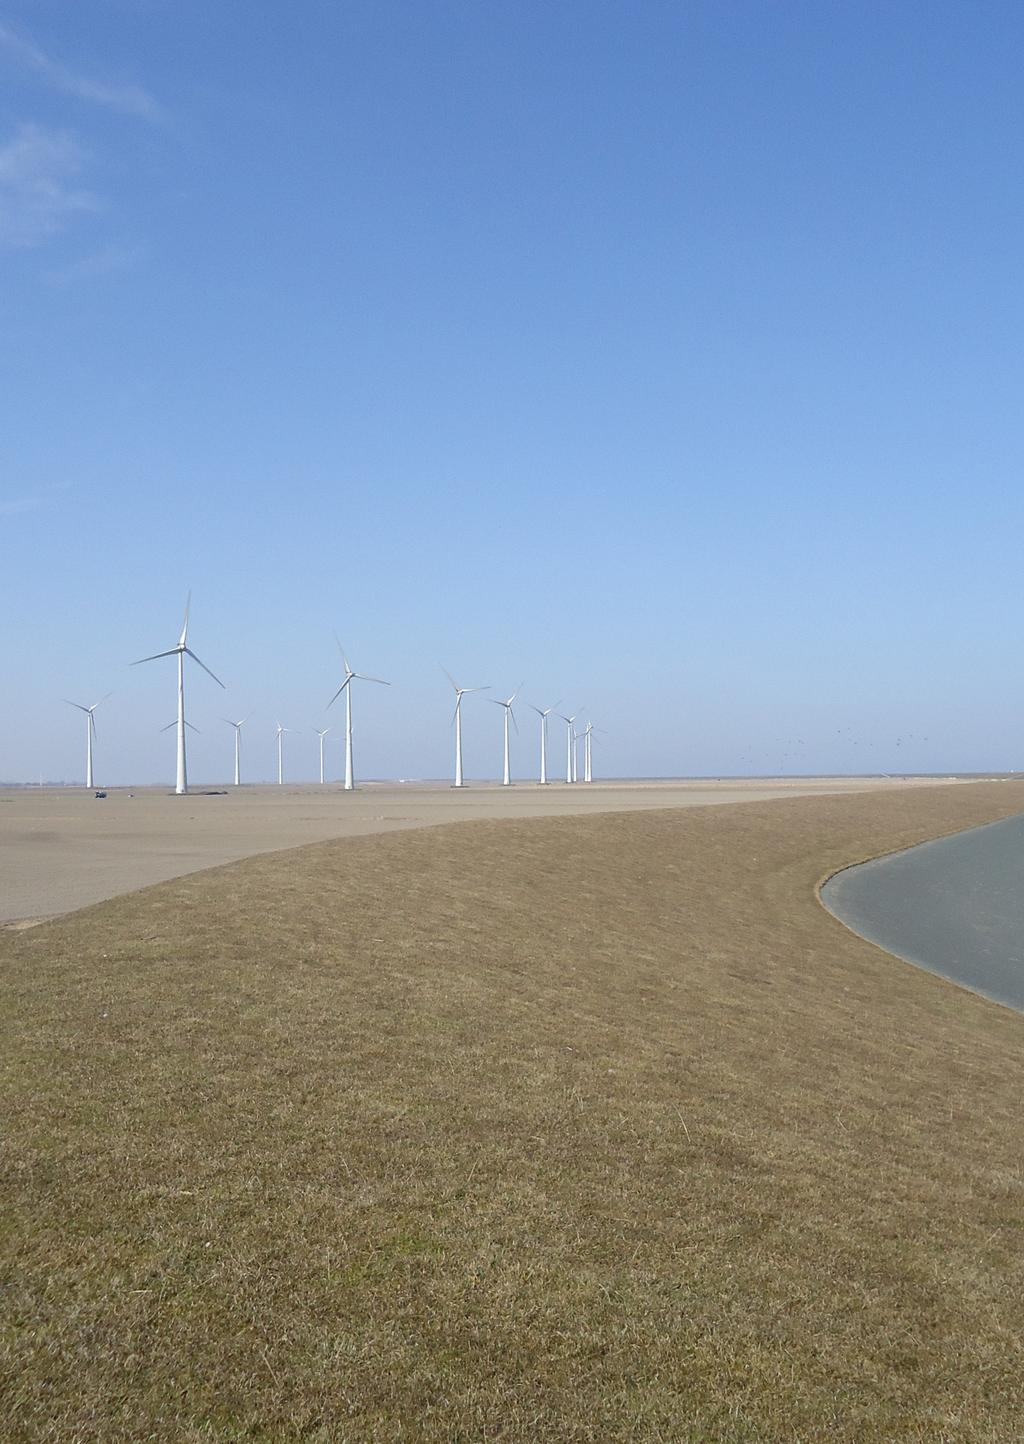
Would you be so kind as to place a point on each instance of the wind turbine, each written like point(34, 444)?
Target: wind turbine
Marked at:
point(345, 687)
point(588, 737)
point(506, 780)
point(543, 740)
point(570, 746)
point(321, 735)
point(460, 692)
point(181, 651)
point(238, 745)
point(280, 751)
point(90, 733)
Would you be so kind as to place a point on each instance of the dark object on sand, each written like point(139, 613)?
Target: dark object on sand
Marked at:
point(101, 794)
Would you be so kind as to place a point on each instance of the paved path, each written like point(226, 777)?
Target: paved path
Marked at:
point(954, 906)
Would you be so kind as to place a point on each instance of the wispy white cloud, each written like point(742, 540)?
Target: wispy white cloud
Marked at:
point(38, 190)
point(129, 99)
point(107, 261)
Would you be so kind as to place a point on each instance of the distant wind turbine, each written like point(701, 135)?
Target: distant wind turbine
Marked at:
point(181, 651)
point(90, 733)
point(570, 746)
point(543, 715)
point(238, 746)
point(346, 687)
point(506, 780)
point(588, 735)
point(321, 735)
point(460, 692)
point(280, 752)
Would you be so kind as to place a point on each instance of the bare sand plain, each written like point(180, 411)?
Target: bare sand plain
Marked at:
point(63, 848)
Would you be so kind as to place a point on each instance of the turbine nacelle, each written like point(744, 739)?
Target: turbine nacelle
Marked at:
point(507, 704)
point(351, 676)
point(89, 711)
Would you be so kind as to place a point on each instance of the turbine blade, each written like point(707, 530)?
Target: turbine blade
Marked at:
point(184, 631)
point(169, 726)
point(92, 723)
point(156, 656)
point(204, 667)
point(338, 693)
point(515, 724)
point(362, 677)
point(100, 702)
point(74, 704)
point(449, 676)
point(190, 727)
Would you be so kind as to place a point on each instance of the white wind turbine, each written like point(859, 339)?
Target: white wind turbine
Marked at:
point(346, 687)
point(90, 733)
point(321, 735)
point(588, 750)
point(570, 746)
point(238, 746)
point(280, 752)
point(543, 715)
point(181, 651)
point(460, 692)
point(506, 779)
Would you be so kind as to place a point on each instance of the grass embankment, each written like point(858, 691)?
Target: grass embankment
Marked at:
point(581, 1129)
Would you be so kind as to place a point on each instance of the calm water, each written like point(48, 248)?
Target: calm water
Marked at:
point(955, 907)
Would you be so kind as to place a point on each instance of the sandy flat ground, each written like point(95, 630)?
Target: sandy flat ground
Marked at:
point(62, 849)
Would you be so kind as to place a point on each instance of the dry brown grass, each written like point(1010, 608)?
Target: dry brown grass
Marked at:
point(579, 1129)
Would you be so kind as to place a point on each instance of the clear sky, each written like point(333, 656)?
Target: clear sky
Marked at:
point(665, 356)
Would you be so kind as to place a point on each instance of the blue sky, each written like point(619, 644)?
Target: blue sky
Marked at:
point(665, 356)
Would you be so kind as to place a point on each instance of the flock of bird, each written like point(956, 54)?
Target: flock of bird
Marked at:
point(181, 650)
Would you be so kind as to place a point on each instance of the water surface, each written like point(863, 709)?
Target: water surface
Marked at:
point(954, 906)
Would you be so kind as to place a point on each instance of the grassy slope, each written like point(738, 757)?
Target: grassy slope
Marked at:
point(580, 1129)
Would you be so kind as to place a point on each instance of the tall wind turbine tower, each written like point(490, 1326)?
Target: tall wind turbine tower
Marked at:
point(280, 752)
point(238, 746)
point(90, 733)
point(506, 780)
point(346, 687)
point(570, 746)
point(321, 735)
point(460, 692)
point(588, 741)
point(543, 715)
point(181, 651)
